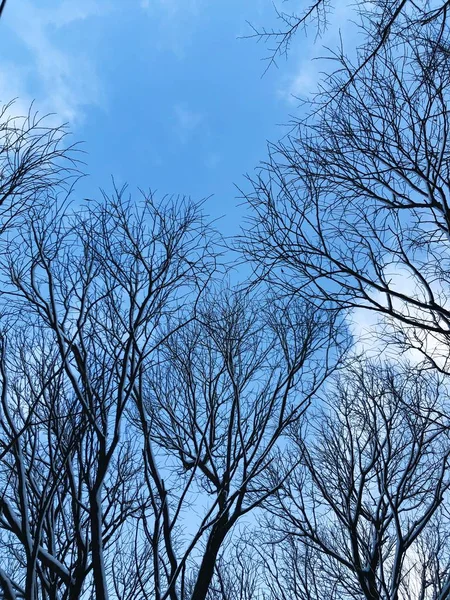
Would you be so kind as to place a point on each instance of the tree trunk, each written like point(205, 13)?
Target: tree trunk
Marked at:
point(206, 570)
point(98, 566)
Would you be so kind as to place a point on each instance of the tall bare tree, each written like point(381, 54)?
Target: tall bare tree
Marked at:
point(35, 163)
point(366, 513)
point(214, 413)
point(128, 397)
point(353, 207)
point(97, 287)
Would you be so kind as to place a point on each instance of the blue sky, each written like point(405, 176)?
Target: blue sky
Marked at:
point(162, 92)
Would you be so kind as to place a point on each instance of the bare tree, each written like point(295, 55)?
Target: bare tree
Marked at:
point(353, 208)
point(380, 21)
point(128, 398)
point(97, 286)
point(214, 413)
point(238, 574)
point(366, 513)
point(35, 162)
point(48, 454)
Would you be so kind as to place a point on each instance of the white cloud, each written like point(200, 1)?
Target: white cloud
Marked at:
point(61, 82)
point(302, 83)
point(377, 335)
point(309, 69)
point(12, 87)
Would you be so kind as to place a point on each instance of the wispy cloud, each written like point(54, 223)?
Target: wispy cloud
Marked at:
point(177, 22)
point(378, 335)
point(187, 122)
point(308, 70)
point(61, 82)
